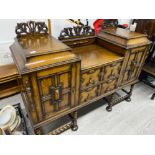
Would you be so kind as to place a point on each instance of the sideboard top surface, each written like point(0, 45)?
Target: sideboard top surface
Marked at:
point(124, 38)
point(39, 45)
point(95, 55)
point(124, 33)
point(34, 52)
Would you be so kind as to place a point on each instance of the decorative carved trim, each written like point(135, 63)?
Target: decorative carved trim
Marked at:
point(76, 32)
point(60, 129)
point(31, 28)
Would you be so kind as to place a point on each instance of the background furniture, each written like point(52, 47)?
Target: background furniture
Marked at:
point(57, 80)
point(9, 80)
point(147, 26)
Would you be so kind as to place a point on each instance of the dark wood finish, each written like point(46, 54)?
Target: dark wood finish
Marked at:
point(146, 26)
point(31, 28)
point(79, 31)
point(61, 129)
point(57, 80)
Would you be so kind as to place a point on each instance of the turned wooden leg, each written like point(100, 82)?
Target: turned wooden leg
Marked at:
point(110, 104)
point(109, 108)
point(153, 96)
point(74, 125)
point(130, 93)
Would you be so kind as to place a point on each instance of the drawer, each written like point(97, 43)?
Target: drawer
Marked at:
point(88, 94)
point(90, 77)
point(109, 86)
point(111, 74)
point(111, 70)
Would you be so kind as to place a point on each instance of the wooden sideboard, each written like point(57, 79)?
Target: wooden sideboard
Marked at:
point(60, 77)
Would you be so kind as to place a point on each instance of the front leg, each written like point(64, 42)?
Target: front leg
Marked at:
point(74, 125)
point(110, 104)
point(130, 94)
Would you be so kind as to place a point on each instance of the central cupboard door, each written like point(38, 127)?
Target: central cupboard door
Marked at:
point(98, 81)
point(56, 89)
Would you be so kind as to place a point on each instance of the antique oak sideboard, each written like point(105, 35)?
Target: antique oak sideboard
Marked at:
point(60, 77)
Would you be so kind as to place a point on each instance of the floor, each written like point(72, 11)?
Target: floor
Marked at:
point(127, 118)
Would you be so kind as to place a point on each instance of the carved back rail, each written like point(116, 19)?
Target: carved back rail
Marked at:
point(76, 32)
point(31, 28)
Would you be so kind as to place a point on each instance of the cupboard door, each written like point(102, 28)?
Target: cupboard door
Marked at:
point(52, 91)
point(56, 89)
point(134, 64)
point(55, 92)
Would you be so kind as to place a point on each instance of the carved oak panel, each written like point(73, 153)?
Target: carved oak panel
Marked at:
point(111, 71)
point(111, 74)
point(55, 92)
point(90, 77)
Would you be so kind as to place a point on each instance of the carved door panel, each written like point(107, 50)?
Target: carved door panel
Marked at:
point(55, 92)
point(134, 64)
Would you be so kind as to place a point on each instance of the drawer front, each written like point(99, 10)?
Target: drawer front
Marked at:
point(90, 77)
point(109, 86)
point(88, 94)
point(111, 71)
point(111, 74)
point(134, 64)
point(95, 82)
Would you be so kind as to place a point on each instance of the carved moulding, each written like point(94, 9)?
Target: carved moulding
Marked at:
point(31, 28)
point(75, 32)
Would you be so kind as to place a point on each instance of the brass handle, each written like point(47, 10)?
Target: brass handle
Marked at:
point(56, 94)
